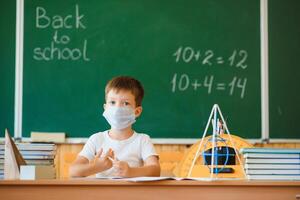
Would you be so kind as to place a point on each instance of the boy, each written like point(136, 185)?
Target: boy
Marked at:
point(119, 151)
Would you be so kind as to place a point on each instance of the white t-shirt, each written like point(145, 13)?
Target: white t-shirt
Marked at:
point(134, 150)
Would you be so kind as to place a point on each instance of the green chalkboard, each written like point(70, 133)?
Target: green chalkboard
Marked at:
point(7, 66)
point(284, 43)
point(189, 55)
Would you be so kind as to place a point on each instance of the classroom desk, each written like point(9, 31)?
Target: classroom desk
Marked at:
point(168, 189)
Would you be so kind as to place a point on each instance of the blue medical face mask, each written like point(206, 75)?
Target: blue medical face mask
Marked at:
point(119, 117)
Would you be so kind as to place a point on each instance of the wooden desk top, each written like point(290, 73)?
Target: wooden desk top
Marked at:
point(92, 181)
point(90, 189)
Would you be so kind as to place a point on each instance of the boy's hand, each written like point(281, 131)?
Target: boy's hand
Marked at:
point(103, 163)
point(121, 168)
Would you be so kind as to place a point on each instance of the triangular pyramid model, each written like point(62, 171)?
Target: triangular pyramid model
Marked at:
point(219, 128)
point(12, 159)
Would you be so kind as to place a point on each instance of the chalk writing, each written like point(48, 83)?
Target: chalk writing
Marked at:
point(60, 46)
point(238, 58)
point(209, 84)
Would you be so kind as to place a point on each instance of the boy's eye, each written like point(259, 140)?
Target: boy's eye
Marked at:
point(126, 103)
point(112, 102)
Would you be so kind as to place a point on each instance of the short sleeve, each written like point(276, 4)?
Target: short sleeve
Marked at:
point(147, 148)
point(89, 149)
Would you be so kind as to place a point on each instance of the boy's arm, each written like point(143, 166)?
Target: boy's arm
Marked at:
point(151, 168)
point(81, 167)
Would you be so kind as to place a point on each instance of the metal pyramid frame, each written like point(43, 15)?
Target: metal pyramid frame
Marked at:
point(214, 115)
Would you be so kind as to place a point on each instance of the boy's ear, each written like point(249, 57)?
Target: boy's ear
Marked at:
point(138, 111)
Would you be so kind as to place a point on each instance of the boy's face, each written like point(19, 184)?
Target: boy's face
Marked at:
point(122, 98)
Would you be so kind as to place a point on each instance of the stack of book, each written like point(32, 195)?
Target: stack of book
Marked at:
point(271, 164)
point(33, 153)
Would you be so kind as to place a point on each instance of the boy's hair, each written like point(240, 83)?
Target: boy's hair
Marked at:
point(126, 83)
